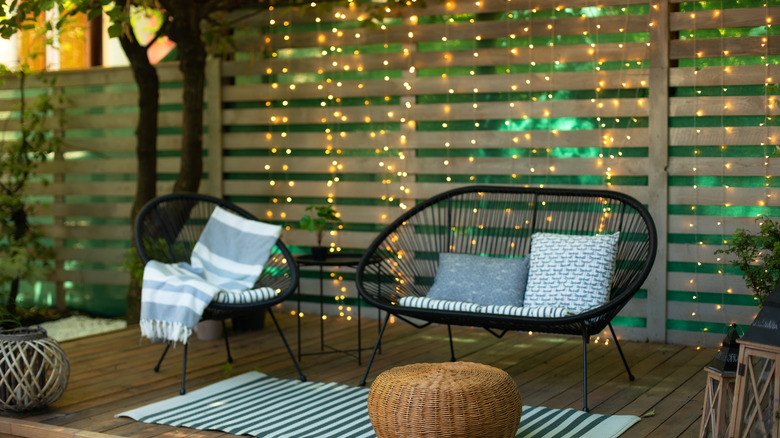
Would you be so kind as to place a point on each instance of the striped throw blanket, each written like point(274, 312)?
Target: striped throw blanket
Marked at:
point(227, 259)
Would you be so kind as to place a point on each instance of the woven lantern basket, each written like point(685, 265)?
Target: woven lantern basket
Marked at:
point(34, 369)
point(454, 399)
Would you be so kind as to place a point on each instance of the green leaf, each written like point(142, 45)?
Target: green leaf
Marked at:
point(94, 13)
point(115, 30)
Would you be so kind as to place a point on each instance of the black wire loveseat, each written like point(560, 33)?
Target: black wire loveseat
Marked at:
point(499, 222)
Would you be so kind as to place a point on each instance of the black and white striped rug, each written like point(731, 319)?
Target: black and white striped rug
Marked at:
point(262, 406)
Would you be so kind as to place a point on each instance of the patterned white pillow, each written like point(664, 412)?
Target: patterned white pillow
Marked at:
point(568, 271)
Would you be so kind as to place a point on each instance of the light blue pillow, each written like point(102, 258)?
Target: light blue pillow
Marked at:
point(480, 279)
point(568, 271)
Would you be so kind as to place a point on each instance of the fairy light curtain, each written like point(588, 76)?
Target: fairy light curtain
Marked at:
point(374, 118)
point(525, 92)
point(722, 135)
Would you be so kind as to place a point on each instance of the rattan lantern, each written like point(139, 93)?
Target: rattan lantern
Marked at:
point(756, 410)
point(719, 393)
point(34, 369)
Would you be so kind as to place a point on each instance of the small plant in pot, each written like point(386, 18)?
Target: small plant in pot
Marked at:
point(757, 256)
point(321, 218)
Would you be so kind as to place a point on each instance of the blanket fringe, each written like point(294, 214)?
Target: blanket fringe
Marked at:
point(166, 331)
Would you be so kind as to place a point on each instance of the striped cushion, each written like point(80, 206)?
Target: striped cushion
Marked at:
point(461, 306)
point(532, 311)
point(427, 303)
point(245, 296)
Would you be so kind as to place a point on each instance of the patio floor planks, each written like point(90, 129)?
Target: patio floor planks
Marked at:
point(113, 372)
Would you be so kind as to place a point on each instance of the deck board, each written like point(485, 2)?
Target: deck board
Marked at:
point(113, 372)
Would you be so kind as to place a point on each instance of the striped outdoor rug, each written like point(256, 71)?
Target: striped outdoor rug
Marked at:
point(262, 406)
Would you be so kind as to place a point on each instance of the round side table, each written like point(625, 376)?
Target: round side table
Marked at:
point(331, 259)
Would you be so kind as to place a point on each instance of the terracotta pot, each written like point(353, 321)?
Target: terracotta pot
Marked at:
point(209, 330)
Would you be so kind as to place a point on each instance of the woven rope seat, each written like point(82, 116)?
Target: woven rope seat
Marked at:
point(453, 399)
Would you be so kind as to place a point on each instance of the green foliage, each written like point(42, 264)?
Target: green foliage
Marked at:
point(132, 264)
point(227, 368)
point(8, 319)
point(757, 256)
point(156, 249)
point(23, 256)
point(323, 217)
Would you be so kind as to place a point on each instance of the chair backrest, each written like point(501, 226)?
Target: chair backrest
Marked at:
point(499, 221)
point(168, 227)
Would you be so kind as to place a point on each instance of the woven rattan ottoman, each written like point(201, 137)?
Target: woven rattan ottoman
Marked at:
point(453, 399)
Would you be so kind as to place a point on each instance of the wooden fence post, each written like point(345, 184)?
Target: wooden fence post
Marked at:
point(59, 178)
point(658, 183)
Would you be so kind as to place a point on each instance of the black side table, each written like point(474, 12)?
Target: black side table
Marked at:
point(332, 259)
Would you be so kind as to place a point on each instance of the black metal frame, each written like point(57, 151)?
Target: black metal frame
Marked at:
point(499, 221)
point(166, 230)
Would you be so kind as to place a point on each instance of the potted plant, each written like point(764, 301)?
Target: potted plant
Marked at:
point(321, 218)
point(757, 256)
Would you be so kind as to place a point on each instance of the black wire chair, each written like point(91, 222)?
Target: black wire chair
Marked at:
point(499, 221)
point(167, 229)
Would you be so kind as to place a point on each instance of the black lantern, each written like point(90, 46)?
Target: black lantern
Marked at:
point(755, 411)
point(719, 393)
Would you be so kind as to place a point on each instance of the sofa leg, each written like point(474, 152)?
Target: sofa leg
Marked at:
point(585, 339)
point(159, 362)
point(452, 346)
point(622, 356)
point(376, 347)
point(227, 343)
point(287, 346)
point(183, 390)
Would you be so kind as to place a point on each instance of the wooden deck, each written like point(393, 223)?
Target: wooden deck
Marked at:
point(113, 372)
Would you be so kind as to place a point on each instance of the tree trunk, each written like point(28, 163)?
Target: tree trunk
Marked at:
point(186, 32)
point(146, 144)
point(146, 130)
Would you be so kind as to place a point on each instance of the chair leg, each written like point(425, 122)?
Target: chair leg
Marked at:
point(184, 371)
point(585, 339)
point(622, 356)
point(227, 344)
point(376, 347)
point(452, 346)
point(159, 362)
point(287, 346)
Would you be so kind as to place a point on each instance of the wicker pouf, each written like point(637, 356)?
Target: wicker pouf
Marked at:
point(34, 369)
point(454, 399)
